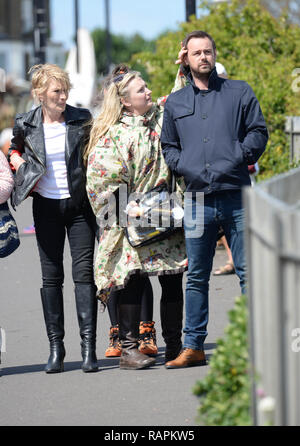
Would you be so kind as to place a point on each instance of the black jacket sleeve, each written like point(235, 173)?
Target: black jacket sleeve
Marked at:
point(256, 137)
point(170, 140)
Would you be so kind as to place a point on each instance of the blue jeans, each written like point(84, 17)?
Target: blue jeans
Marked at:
point(201, 231)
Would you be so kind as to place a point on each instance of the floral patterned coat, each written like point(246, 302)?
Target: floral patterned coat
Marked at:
point(130, 153)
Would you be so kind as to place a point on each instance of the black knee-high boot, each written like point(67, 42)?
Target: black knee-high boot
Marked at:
point(52, 301)
point(129, 321)
point(171, 314)
point(86, 305)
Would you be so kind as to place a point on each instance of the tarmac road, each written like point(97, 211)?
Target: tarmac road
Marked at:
point(111, 397)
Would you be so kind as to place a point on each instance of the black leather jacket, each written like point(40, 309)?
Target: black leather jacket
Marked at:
point(28, 139)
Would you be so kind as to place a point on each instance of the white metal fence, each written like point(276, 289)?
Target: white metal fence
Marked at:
point(273, 258)
point(292, 129)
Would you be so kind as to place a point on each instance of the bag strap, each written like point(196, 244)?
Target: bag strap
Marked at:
point(173, 182)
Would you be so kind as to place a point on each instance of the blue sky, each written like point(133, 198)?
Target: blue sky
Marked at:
point(147, 17)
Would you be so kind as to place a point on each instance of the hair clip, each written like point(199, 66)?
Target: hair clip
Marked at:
point(119, 78)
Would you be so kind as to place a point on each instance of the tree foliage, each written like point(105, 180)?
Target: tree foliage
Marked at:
point(254, 46)
point(122, 48)
point(290, 7)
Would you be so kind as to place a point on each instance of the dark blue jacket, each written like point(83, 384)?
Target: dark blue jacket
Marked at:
point(210, 136)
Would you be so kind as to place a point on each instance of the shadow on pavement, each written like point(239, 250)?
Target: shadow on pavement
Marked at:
point(22, 369)
point(210, 346)
point(104, 364)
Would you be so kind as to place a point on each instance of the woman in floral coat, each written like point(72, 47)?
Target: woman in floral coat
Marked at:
point(124, 149)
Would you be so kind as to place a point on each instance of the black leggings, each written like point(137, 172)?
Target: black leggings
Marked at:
point(53, 219)
point(139, 290)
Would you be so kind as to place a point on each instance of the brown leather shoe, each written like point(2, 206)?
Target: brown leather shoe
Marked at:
point(133, 359)
point(187, 358)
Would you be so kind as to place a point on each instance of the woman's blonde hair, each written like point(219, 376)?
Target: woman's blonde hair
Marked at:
point(43, 74)
point(114, 89)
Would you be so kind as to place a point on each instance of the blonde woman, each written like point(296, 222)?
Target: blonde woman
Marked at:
point(124, 150)
point(46, 153)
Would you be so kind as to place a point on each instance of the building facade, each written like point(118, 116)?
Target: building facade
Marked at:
point(17, 37)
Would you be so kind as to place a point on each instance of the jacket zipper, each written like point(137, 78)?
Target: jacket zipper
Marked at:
point(67, 150)
point(30, 145)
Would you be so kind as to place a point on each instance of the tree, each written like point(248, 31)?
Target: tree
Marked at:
point(291, 8)
point(278, 7)
point(254, 46)
point(123, 47)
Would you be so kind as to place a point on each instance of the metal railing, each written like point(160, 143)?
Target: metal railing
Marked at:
point(273, 258)
point(292, 129)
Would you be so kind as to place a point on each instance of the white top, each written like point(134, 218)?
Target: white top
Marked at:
point(54, 183)
point(5, 135)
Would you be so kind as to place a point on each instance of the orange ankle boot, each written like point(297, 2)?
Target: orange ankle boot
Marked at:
point(147, 338)
point(114, 349)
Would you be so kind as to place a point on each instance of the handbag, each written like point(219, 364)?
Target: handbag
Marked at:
point(160, 216)
point(9, 235)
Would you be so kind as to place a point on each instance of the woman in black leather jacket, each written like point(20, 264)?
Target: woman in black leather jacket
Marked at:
point(46, 153)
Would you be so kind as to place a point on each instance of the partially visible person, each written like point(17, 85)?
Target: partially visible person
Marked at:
point(6, 179)
point(221, 70)
point(147, 331)
point(212, 130)
point(253, 170)
point(124, 149)
point(46, 153)
point(7, 109)
point(6, 187)
point(228, 268)
point(5, 139)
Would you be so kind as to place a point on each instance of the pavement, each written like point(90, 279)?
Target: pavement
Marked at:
point(111, 397)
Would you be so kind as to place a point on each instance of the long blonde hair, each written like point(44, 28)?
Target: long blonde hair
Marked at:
point(112, 106)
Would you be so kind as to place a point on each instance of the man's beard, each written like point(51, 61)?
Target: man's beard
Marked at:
point(202, 75)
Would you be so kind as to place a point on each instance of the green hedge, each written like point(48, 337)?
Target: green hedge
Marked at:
point(225, 391)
